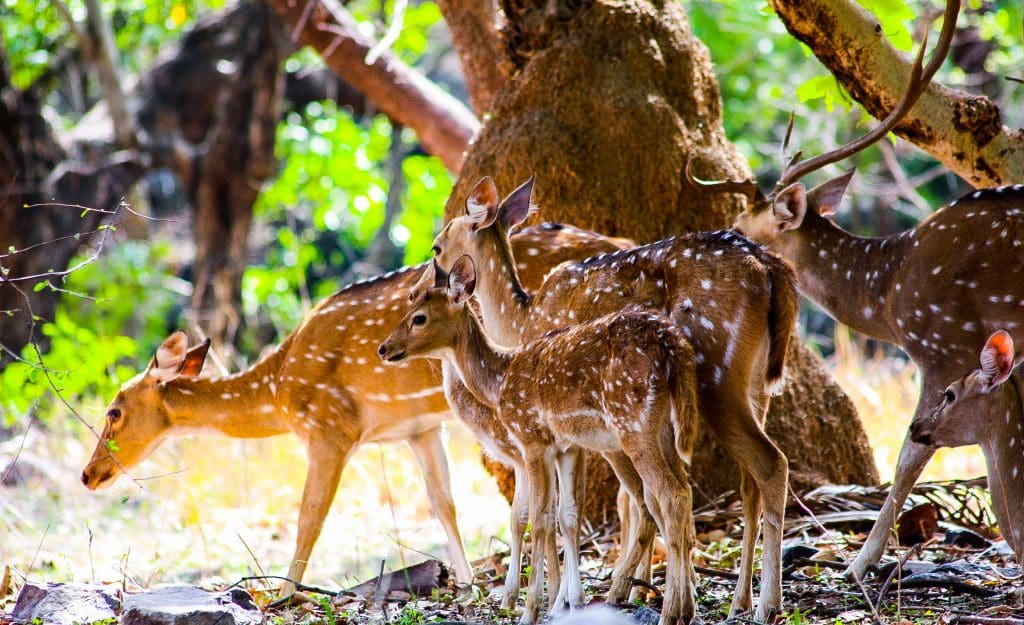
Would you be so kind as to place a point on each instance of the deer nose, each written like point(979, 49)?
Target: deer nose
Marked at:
point(919, 433)
point(383, 349)
point(85, 478)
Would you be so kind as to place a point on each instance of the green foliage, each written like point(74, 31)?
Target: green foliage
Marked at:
point(128, 292)
point(326, 204)
point(35, 34)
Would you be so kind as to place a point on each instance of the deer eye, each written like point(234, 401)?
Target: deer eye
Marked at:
point(113, 414)
point(436, 249)
point(419, 319)
point(949, 396)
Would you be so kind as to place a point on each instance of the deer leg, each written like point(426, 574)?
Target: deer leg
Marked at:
point(740, 433)
point(430, 453)
point(326, 461)
point(750, 497)
point(517, 527)
point(912, 461)
point(570, 467)
point(639, 539)
point(541, 525)
point(673, 502)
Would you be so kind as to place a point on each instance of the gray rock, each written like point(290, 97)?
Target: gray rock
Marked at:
point(66, 604)
point(185, 605)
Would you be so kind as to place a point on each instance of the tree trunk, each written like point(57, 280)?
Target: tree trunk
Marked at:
point(609, 102)
point(227, 178)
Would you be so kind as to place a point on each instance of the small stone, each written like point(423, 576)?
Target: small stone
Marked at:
point(181, 605)
point(65, 604)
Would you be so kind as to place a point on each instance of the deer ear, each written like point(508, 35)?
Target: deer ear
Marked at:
point(440, 275)
point(825, 198)
point(515, 208)
point(789, 207)
point(996, 359)
point(482, 203)
point(169, 358)
point(461, 280)
point(194, 359)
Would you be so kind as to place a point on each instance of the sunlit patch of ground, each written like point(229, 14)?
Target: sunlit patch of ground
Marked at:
point(195, 525)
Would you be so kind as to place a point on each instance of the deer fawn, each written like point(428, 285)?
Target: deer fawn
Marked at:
point(981, 409)
point(624, 384)
point(922, 290)
point(734, 301)
point(323, 383)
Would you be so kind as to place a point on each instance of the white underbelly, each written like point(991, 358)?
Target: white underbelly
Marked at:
point(388, 429)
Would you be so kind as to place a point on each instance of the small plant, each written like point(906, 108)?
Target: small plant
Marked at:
point(410, 616)
point(328, 608)
point(797, 617)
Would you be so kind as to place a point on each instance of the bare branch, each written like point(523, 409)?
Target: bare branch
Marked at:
point(442, 123)
point(104, 59)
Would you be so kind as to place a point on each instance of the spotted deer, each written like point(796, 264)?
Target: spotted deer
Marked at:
point(936, 290)
point(986, 407)
point(623, 384)
point(733, 300)
point(324, 384)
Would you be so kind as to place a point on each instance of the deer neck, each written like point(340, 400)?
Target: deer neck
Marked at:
point(849, 276)
point(1004, 457)
point(479, 362)
point(504, 303)
point(242, 405)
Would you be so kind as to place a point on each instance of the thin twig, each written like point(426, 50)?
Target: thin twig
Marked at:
point(259, 567)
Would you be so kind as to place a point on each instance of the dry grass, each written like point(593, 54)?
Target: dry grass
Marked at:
point(885, 391)
point(190, 526)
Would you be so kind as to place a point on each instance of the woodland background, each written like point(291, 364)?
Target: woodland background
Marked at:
point(246, 180)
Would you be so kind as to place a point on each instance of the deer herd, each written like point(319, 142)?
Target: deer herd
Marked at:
point(548, 341)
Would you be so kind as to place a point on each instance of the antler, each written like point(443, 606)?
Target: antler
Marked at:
point(748, 188)
point(919, 79)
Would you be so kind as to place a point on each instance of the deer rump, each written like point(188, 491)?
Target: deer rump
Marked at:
point(693, 279)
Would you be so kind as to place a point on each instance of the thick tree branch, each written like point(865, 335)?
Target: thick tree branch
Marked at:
point(442, 123)
point(965, 132)
point(472, 24)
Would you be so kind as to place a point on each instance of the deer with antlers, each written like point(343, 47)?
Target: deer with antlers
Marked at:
point(736, 304)
point(623, 384)
point(937, 290)
point(324, 384)
point(986, 407)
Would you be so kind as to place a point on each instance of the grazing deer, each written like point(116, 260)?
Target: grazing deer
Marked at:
point(980, 408)
point(624, 384)
point(733, 300)
point(323, 383)
point(936, 290)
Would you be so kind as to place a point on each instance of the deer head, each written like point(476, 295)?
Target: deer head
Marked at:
point(771, 218)
point(962, 418)
point(137, 420)
point(486, 224)
point(430, 328)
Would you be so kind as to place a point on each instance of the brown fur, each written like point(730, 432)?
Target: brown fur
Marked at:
point(937, 290)
point(578, 387)
point(731, 298)
point(324, 384)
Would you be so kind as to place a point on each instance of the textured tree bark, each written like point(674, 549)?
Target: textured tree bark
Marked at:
point(474, 29)
point(441, 122)
point(964, 132)
point(609, 102)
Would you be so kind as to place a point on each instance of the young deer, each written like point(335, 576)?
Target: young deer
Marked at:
point(734, 301)
point(323, 383)
point(934, 290)
point(981, 409)
point(624, 384)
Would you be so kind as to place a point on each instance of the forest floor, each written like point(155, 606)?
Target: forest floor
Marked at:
point(954, 573)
